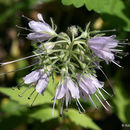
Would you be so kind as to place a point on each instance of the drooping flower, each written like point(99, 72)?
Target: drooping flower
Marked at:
point(41, 30)
point(67, 90)
point(90, 85)
point(39, 78)
point(104, 47)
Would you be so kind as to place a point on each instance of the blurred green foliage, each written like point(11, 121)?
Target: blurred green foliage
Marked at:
point(111, 7)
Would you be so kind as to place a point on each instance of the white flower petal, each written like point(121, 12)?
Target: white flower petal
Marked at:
point(32, 77)
point(73, 88)
point(61, 92)
point(41, 85)
point(68, 97)
point(89, 84)
point(103, 47)
point(38, 36)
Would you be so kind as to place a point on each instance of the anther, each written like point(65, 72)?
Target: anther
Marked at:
point(26, 18)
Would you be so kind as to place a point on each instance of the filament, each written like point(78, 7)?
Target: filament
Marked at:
point(1, 64)
point(104, 98)
point(20, 95)
point(34, 99)
point(24, 28)
point(81, 105)
point(26, 17)
point(17, 69)
point(101, 102)
point(117, 64)
point(92, 102)
point(31, 93)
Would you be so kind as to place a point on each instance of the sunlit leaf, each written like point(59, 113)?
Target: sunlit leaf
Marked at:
point(13, 94)
point(76, 3)
point(44, 114)
point(112, 7)
point(81, 119)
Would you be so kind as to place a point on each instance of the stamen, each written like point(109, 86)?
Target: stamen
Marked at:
point(81, 105)
point(124, 39)
point(106, 78)
point(18, 86)
point(101, 102)
point(116, 50)
point(111, 30)
point(78, 107)
point(124, 43)
point(106, 92)
point(31, 93)
point(117, 64)
point(92, 101)
point(5, 63)
point(20, 95)
point(24, 28)
point(104, 98)
point(119, 56)
point(26, 17)
point(19, 34)
point(34, 99)
point(17, 69)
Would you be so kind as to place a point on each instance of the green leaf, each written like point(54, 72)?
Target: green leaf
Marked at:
point(81, 119)
point(112, 7)
point(13, 108)
point(76, 3)
point(44, 114)
point(13, 94)
point(120, 102)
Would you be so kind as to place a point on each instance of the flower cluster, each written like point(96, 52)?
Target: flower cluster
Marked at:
point(74, 56)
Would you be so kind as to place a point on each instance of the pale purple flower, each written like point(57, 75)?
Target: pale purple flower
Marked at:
point(103, 47)
point(90, 85)
point(67, 90)
point(39, 78)
point(41, 30)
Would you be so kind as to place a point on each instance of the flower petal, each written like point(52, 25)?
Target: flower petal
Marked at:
point(41, 85)
point(60, 91)
point(38, 36)
point(32, 77)
point(73, 88)
point(40, 27)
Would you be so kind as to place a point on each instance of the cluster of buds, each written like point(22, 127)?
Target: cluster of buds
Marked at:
point(74, 56)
